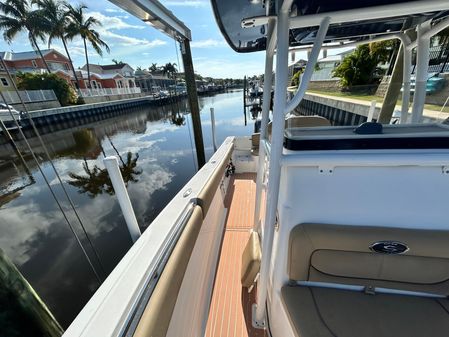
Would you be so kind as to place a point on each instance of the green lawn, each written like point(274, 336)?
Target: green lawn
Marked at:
point(370, 98)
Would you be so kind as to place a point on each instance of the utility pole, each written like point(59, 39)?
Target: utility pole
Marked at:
point(193, 101)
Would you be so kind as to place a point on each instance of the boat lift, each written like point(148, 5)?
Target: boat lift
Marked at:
point(156, 15)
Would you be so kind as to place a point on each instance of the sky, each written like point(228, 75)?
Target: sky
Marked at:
point(138, 44)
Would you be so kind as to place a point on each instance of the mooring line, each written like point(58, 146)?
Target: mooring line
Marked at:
point(56, 173)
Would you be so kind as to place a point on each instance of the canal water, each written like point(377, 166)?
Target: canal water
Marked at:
point(155, 146)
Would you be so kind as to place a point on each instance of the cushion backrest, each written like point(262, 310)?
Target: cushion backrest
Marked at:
point(302, 122)
point(342, 254)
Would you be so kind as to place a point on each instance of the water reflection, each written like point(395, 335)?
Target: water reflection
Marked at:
point(97, 181)
point(156, 157)
point(178, 119)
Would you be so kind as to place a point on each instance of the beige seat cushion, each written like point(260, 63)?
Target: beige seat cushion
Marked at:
point(302, 122)
point(251, 258)
point(206, 195)
point(323, 312)
point(341, 254)
point(255, 143)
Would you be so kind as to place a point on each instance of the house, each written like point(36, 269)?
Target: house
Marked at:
point(326, 65)
point(295, 66)
point(153, 81)
point(30, 61)
point(109, 76)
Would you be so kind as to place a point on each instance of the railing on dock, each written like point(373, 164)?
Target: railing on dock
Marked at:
point(109, 91)
point(28, 96)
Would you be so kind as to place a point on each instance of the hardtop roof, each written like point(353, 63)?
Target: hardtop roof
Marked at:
point(230, 13)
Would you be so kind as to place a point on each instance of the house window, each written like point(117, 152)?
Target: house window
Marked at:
point(33, 62)
point(4, 81)
point(66, 66)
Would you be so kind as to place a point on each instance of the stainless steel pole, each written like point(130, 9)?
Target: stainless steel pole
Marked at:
point(422, 65)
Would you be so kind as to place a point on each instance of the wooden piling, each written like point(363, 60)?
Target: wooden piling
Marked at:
point(193, 101)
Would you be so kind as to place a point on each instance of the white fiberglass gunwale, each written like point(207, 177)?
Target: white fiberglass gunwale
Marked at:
point(114, 304)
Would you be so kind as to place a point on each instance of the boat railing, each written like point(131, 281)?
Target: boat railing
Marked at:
point(28, 96)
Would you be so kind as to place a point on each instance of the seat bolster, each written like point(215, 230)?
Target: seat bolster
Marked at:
point(158, 312)
point(206, 195)
point(251, 259)
point(300, 252)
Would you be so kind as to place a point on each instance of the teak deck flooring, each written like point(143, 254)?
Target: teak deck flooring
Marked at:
point(230, 312)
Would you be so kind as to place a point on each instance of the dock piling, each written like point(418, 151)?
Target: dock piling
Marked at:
point(193, 101)
point(112, 166)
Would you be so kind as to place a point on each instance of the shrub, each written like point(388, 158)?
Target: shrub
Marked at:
point(296, 78)
point(63, 91)
point(361, 66)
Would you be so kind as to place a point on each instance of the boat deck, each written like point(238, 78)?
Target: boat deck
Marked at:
point(230, 312)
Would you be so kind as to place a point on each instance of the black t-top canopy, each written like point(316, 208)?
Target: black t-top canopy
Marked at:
point(230, 13)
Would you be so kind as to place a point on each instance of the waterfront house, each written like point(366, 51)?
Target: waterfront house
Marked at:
point(30, 61)
point(109, 76)
point(326, 65)
point(295, 66)
point(153, 81)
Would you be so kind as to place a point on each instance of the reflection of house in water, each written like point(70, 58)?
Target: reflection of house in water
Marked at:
point(67, 139)
point(78, 142)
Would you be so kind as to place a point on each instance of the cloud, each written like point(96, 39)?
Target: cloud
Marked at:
point(110, 24)
point(74, 51)
point(187, 3)
point(125, 40)
point(113, 22)
point(207, 43)
point(114, 10)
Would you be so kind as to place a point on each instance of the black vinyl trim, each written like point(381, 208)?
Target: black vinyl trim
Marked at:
point(222, 29)
point(384, 143)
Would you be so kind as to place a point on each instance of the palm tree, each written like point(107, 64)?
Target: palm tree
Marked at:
point(17, 17)
point(55, 22)
point(169, 69)
point(83, 26)
point(153, 67)
point(117, 62)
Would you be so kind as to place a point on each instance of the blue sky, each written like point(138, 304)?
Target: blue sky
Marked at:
point(138, 44)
